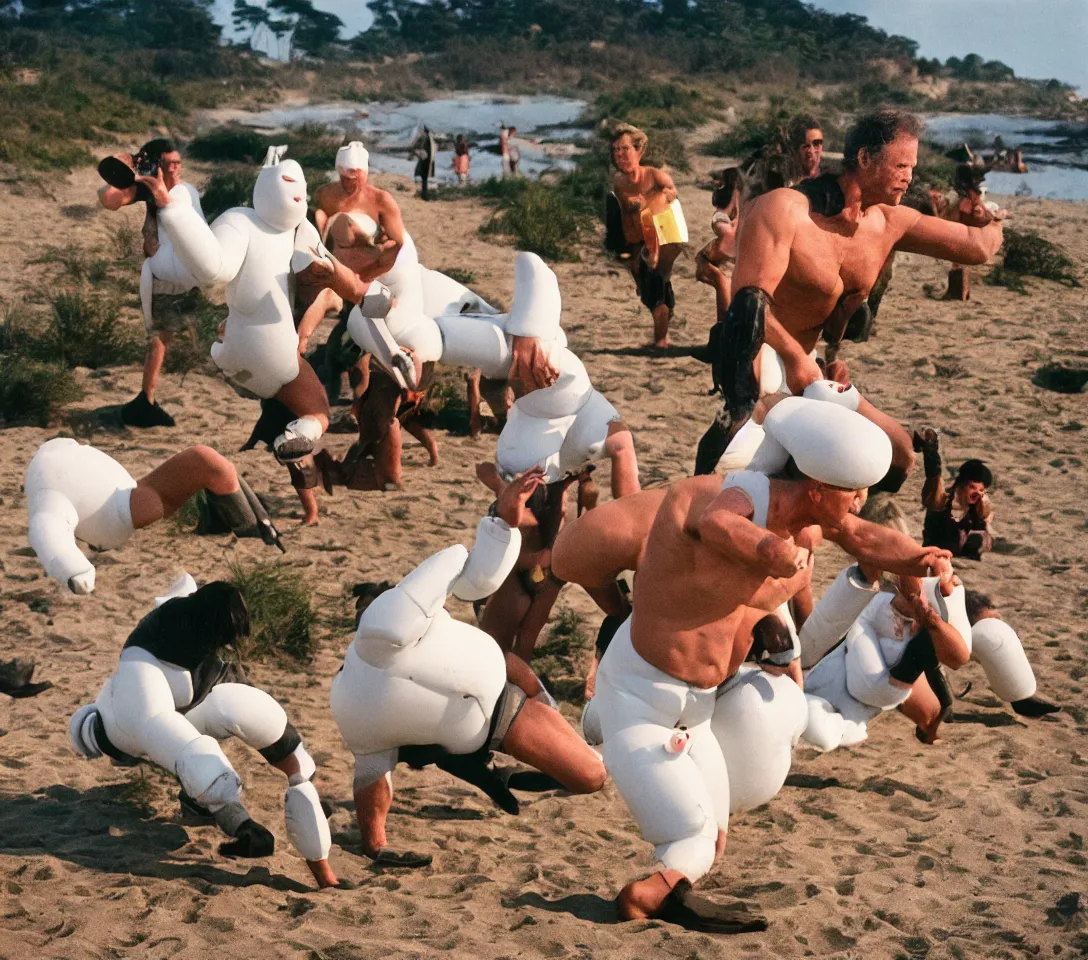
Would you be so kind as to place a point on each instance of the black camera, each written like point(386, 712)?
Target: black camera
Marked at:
point(147, 165)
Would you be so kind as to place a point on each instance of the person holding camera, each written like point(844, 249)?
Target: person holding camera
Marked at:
point(168, 297)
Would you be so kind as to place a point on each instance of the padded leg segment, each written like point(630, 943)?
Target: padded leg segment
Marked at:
point(307, 825)
point(207, 776)
point(239, 710)
point(52, 536)
point(841, 604)
point(667, 796)
point(998, 649)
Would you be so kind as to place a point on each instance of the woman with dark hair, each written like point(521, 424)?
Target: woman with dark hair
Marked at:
point(956, 519)
point(173, 697)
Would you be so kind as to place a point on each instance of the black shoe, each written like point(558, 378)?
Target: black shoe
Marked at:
point(250, 840)
point(1034, 707)
point(140, 412)
point(694, 912)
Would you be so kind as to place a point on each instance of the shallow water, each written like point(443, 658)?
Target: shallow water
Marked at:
point(1056, 151)
point(544, 134)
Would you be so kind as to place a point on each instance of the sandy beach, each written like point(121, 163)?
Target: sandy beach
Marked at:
point(889, 849)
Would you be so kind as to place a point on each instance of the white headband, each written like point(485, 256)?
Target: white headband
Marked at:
point(353, 156)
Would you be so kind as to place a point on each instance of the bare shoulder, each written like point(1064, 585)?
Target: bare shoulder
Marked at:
point(783, 204)
point(900, 219)
point(327, 195)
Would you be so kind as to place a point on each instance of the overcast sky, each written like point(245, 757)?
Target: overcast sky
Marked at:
point(1037, 38)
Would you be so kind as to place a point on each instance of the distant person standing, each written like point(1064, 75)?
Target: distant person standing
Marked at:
point(513, 152)
point(807, 143)
point(168, 301)
point(504, 149)
point(424, 150)
point(461, 159)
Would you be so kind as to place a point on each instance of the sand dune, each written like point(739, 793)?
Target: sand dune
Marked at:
point(890, 849)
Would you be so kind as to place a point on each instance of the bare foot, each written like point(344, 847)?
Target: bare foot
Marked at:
point(322, 873)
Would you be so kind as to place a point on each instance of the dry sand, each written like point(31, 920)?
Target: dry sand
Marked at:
point(888, 849)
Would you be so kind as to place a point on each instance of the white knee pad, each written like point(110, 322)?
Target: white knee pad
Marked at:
point(999, 650)
point(834, 613)
point(832, 392)
point(490, 561)
point(827, 728)
point(867, 666)
point(307, 825)
point(206, 774)
point(591, 725)
point(475, 341)
point(81, 732)
point(667, 797)
point(757, 720)
point(586, 437)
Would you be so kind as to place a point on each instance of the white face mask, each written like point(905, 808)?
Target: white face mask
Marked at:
point(280, 202)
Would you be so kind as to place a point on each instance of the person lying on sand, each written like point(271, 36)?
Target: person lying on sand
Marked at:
point(419, 687)
point(706, 561)
point(171, 699)
point(76, 492)
point(800, 273)
point(639, 193)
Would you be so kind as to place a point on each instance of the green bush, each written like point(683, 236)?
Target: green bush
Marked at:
point(666, 149)
point(1030, 255)
point(190, 351)
point(230, 144)
point(33, 393)
point(280, 611)
point(540, 220)
point(659, 106)
point(86, 332)
point(231, 188)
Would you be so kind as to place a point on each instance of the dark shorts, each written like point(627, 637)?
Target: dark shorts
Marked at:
point(654, 285)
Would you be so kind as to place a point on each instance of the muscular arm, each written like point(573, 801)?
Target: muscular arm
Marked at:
point(764, 241)
point(881, 548)
point(665, 183)
point(945, 239)
point(724, 526)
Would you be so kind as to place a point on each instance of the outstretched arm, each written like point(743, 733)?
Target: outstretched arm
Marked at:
point(881, 548)
point(945, 239)
point(725, 527)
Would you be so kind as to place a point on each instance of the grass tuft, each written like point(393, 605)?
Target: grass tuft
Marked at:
point(33, 393)
point(1029, 255)
point(538, 219)
point(280, 610)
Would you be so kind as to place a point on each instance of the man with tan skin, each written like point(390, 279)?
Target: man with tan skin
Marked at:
point(709, 554)
point(800, 273)
point(807, 143)
point(639, 189)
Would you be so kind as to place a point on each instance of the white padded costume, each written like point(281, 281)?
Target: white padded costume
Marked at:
point(680, 800)
point(253, 251)
point(750, 449)
point(74, 491)
point(996, 646)
point(758, 718)
point(138, 706)
point(163, 272)
point(415, 676)
point(854, 678)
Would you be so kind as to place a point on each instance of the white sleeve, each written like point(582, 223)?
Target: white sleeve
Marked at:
point(211, 254)
point(308, 247)
point(193, 197)
point(492, 558)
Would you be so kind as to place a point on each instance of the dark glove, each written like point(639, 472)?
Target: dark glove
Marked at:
point(927, 443)
point(250, 840)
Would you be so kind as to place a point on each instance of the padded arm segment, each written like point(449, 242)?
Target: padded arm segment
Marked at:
point(833, 614)
point(308, 247)
point(211, 254)
point(52, 537)
point(492, 558)
point(537, 303)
